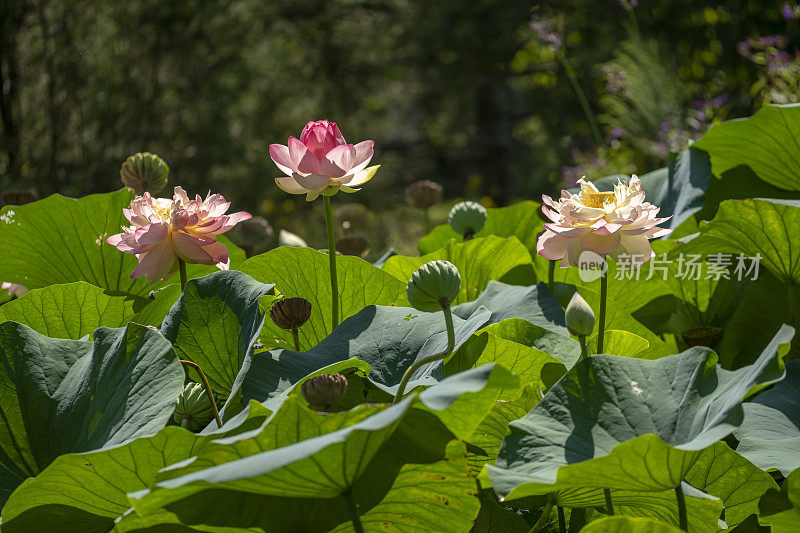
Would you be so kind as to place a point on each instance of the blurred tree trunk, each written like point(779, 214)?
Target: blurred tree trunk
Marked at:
point(50, 51)
point(11, 16)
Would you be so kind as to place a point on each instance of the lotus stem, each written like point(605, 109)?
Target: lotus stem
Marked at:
point(562, 522)
point(451, 343)
point(576, 86)
point(609, 503)
point(602, 321)
point(182, 268)
point(551, 275)
point(793, 304)
point(683, 521)
point(584, 349)
point(206, 386)
point(296, 337)
point(351, 504)
point(545, 517)
point(326, 201)
point(427, 215)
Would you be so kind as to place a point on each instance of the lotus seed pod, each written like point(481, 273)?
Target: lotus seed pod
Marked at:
point(579, 316)
point(352, 245)
point(193, 411)
point(254, 236)
point(354, 217)
point(287, 238)
point(467, 218)
point(433, 286)
point(325, 390)
point(701, 336)
point(423, 194)
point(290, 313)
point(17, 197)
point(144, 172)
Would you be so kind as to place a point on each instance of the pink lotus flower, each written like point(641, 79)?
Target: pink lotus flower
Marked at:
point(14, 289)
point(321, 162)
point(606, 223)
point(164, 230)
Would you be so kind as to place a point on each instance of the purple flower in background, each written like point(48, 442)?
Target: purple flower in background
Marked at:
point(617, 132)
point(544, 31)
point(719, 101)
point(772, 40)
point(788, 12)
point(698, 104)
point(743, 47)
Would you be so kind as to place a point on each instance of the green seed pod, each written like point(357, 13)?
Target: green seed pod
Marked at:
point(352, 245)
point(701, 336)
point(433, 286)
point(423, 194)
point(325, 390)
point(579, 316)
point(254, 236)
point(467, 218)
point(290, 313)
point(193, 411)
point(144, 172)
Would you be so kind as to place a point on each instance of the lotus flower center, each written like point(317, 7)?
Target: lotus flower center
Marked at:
point(597, 199)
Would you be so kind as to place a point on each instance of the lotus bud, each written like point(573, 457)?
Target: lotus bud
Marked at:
point(433, 286)
point(290, 313)
point(423, 194)
point(701, 336)
point(579, 316)
point(254, 236)
point(287, 238)
point(467, 218)
point(17, 197)
point(325, 390)
point(193, 410)
point(144, 172)
point(352, 245)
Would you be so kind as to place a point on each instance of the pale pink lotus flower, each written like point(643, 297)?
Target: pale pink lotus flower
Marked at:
point(321, 162)
point(14, 289)
point(606, 223)
point(164, 230)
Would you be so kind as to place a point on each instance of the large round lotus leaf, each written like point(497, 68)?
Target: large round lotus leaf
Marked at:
point(61, 396)
point(629, 424)
point(627, 524)
point(770, 434)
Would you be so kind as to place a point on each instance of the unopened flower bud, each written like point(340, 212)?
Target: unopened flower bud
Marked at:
point(254, 236)
point(290, 313)
point(144, 172)
point(467, 218)
point(287, 238)
point(352, 245)
point(701, 336)
point(193, 410)
point(423, 194)
point(325, 390)
point(579, 316)
point(433, 286)
point(17, 197)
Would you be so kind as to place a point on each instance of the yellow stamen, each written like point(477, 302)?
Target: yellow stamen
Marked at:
point(596, 199)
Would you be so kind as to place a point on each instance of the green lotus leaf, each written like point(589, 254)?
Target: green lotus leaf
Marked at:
point(622, 343)
point(305, 273)
point(780, 509)
point(627, 524)
point(770, 433)
point(215, 323)
point(62, 396)
point(627, 424)
point(71, 310)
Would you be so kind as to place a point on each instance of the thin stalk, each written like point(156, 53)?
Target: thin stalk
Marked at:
point(551, 276)
point(683, 521)
point(206, 386)
point(296, 339)
point(609, 503)
point(576, 86)
point(548, 508)
point(793, 304)
point(182, 268)
point(602, 321)
point(562, 522)
point(351, 504)
point(584, 349)
point(451, 343)
point(427, 214)
point(326, 200)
